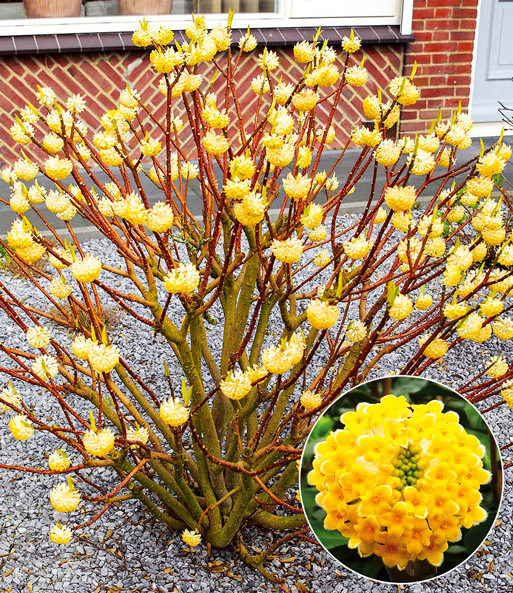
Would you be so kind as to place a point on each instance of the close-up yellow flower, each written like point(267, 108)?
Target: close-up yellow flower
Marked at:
point(191, 538)
point(287, 251)
point(394, 477)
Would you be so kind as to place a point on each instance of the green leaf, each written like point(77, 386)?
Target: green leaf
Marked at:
point(392, 292)
point(186, 392)
point(92, 421)
point(456, 550)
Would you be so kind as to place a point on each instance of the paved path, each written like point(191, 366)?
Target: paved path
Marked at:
point(353, 203)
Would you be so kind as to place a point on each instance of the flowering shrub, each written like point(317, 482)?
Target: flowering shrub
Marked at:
point(400, 480)
point(289, 281)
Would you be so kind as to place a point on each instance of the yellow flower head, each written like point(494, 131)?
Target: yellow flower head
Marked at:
point(497, 366)
point(400, 199)
point(319, 233)
point(503, 328)
point(279, 359)
point(312, 216)
point(173, 412)
point(242, 167)
point(236, 385)
point(387, 153)
point(310, 400)
point(103, 357)
point(357, 247)
point(215, 143)
point(160, 218)
point(45, 367)
point(247, 42)
point(410, 473)
point(64, 499)
point(251, 210)
point(436, 347)
point(321, 314)
point(99, 443)
point(352, 43)
point(322, 258)
point(60, 534)
point(304, 52)
point(184, 279)
point(401, 308)
point(403, 90)
point(287, 251)
point(191, 538)
point(58, 169)
point(297, 187)
point(21, 427)
point(356, 76)
point(86, 270)
point(423, 302)
point(305, 100)
point(38, 337)
point(59, 461)
point(365, 137)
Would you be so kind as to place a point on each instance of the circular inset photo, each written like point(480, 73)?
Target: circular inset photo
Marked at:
point(401, 479)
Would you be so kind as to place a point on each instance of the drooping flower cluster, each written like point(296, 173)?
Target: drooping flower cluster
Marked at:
point(400, 480)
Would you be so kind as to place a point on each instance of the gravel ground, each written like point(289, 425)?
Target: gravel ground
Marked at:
point(126, 550)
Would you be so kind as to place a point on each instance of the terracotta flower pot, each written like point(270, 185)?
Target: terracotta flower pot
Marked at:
point(145, 6)
point(37, 9)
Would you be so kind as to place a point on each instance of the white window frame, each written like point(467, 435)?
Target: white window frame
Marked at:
point(283, 18)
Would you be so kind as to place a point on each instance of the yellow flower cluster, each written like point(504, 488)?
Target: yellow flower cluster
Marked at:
point(182, 280)
point(64, 499)
point(279, 359)
point(87, 269)
point(173, 412)
point(99, 443)
point(287, 251)
point(191, 538)
point(400, 480)
point(236, 385)
point(10, 396)
point(38, 337)
point(59, 461)
point(321, 314)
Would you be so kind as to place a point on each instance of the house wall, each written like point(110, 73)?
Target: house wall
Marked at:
point(444, 33)
point(99, 77)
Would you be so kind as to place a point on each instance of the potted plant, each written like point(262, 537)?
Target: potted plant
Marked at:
point(145, 6)
point(36, 9)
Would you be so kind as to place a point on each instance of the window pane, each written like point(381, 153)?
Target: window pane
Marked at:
point(100, 8)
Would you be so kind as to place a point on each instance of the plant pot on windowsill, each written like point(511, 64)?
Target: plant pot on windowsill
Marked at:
point(145, 7)
point(37, 9)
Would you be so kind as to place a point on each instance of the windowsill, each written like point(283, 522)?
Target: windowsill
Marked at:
point(272, 37)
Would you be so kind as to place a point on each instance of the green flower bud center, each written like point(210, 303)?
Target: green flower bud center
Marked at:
point(408, 466)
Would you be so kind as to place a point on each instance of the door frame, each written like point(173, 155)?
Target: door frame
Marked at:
point(481, 129)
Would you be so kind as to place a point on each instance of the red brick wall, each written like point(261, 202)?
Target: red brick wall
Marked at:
point(444, 33)
point(99, 77)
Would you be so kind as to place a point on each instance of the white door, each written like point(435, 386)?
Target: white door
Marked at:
point(494, 61)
